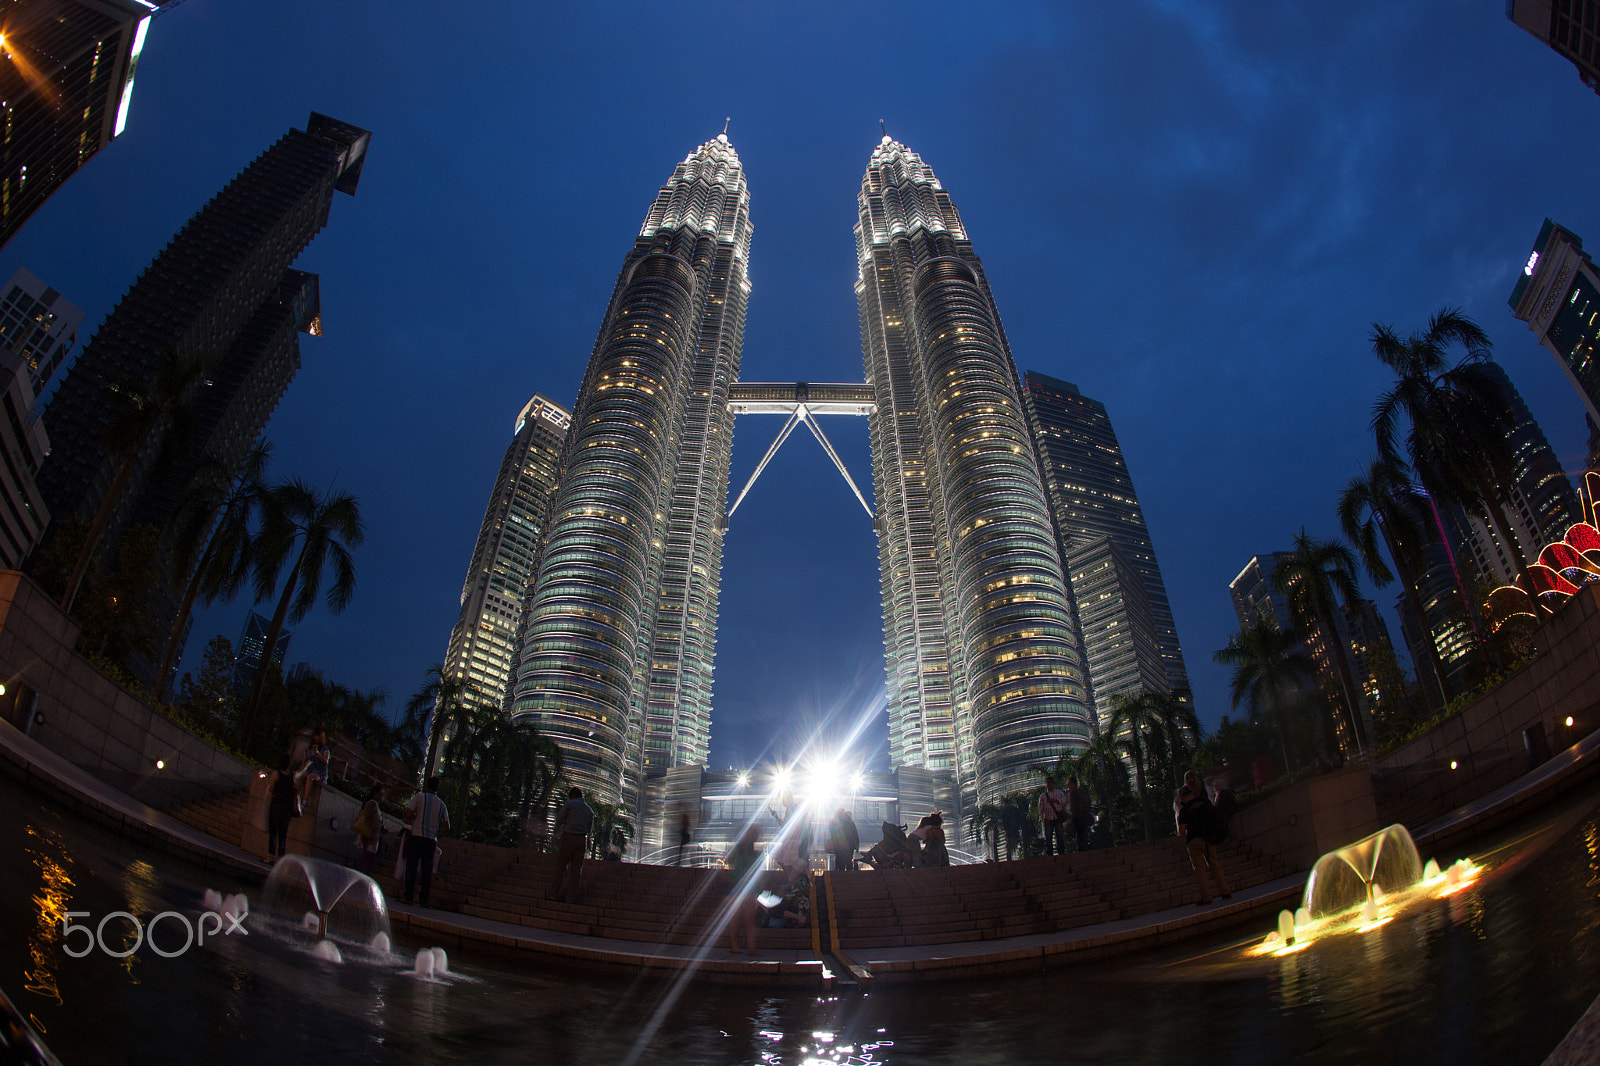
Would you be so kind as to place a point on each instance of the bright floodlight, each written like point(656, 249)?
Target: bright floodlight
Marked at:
point(825, 782)
point(780, 779)
point(744, 778)
point(856, 780)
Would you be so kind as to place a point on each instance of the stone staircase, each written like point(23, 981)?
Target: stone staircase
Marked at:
point(222, 816)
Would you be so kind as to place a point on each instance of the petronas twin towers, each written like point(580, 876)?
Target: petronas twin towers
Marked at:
point(985, 679)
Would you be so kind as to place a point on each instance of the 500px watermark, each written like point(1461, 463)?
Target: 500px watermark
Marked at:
point(144, 933)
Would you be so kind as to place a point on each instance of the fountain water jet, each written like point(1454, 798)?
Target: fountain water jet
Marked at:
point(345, 902)
point(1360, 874)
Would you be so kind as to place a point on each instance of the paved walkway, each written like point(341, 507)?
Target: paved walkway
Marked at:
point(61, 782)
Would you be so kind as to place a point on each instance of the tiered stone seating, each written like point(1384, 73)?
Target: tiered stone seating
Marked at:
point(902, 908)
point(622, 901)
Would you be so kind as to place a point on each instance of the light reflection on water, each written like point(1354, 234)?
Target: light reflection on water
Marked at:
point(1494, 974)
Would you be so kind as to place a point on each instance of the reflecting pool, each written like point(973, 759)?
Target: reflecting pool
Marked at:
point(1495, 974)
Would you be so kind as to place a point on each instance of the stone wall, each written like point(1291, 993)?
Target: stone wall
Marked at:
point(58, 698)
point(1484, 746)
point(1311, 818)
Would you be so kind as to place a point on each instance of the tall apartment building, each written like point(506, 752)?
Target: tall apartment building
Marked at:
point(66, 80)
point(1567, 26)
point(985, 678)
point(222, 291)
point(1558, 296)
point(483, 642)
point(38, 326)
point(1093, 498)
point(616, 661)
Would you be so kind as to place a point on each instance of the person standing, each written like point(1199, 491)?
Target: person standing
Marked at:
point(427, 817)
point(368, 824)
point(685, 835)
point(283, 803)
point(573, 822)
point(740, 861)
point(843, 840)
point(1053, 817)
point(934, 852)
point(1193, 813)
point(1081, 811)
point(314, 774)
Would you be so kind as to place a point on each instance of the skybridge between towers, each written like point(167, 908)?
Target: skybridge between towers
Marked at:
point(799, 400)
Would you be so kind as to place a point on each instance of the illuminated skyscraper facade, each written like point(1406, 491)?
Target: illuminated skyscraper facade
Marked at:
point(482, 643)
point(66, 81)
point(984, 674)
point(616, 662)
point(1093, 496)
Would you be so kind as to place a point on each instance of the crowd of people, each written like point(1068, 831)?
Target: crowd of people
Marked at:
point(299, 778)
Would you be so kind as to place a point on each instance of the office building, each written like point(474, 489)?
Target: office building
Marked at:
point(1357, 625)
point(1567, 26)
point(1540, 507)
point(1092, 495)
point(252, 642)
point(1558, 296)
point(616, 660)
point(38, 326)
point(222, 292)
point(1120, 641)
point(985, 677)
point(482, 643)
point(66, 83)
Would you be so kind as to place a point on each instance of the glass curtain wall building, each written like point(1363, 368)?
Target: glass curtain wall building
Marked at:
point(616, 661)
point(985, 679)
point(482, 643)
point(1093, 497)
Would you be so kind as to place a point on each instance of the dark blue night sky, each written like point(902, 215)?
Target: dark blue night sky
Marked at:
point(1193, 211)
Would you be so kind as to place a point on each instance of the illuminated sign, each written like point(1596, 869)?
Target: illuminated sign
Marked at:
point(1533, 261)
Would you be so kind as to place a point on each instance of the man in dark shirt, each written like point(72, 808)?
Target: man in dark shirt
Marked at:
point(573, 822)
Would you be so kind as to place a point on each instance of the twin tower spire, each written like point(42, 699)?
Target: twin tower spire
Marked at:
point(984, 677)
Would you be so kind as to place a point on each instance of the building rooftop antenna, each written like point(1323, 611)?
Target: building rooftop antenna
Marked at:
point(884, 126)
point(725, 125)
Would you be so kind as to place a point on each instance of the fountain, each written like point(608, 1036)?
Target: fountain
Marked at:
point(1360, 874)
point(333, 899)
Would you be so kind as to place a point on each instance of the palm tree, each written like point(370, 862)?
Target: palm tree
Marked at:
point(987, 823)
point(216, 511)
point(325, 526)
point(434, 709)
point(1315, 577)
point(158, 414)
point(1100, 769)
point(534, 766)
point(1270, 667)
point(612, 826)
point(1458, 415)
point(1383, 504)
point(1147, 726)
point(475, 727)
